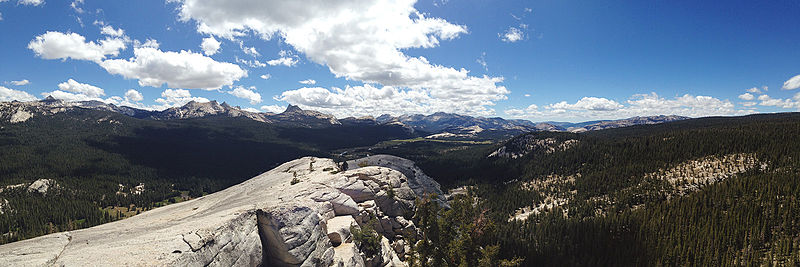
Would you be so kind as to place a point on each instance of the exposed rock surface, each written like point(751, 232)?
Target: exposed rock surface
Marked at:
point(198, 110)
point(4, 205)
point(543, 126)
point(627, 122)
point(437, 125)
point(418, 181)
point(692, 175)
point(20, 116)
point(307, 118)
point(339, 229)
point(456, 125)
point(42, 186)
point(17, 112)
point(265, 221)
point(525, 144)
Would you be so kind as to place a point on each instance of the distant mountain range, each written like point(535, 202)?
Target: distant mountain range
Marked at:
point(608, 124)
point(437, 125)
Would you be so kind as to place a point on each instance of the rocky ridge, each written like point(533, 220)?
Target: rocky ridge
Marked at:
point(298, 214)
point(41, 186)
point(627, 122)
point(449, 124)
point(198, 110)
point(307, 118)
point(16, 112)
point(523, 145)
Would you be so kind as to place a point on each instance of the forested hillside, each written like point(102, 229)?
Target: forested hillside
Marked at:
point(103, 162)
point(710, 191)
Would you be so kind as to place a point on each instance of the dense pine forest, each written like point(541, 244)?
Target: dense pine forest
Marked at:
point(617, 209)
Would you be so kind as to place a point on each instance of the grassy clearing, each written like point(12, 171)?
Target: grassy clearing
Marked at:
point(118, 212)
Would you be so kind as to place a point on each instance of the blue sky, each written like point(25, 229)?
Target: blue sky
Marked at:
point(537, 60)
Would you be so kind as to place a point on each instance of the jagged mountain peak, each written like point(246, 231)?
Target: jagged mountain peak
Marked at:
point(194, 109)
point(295, 115)
point(293, 109)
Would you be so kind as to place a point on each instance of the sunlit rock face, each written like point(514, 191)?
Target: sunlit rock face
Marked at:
point(298, 214)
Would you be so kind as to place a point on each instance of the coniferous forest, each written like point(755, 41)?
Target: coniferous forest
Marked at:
point(610, 197)
point(618, 215)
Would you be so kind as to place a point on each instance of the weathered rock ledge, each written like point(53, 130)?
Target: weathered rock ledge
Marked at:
point(298, 214)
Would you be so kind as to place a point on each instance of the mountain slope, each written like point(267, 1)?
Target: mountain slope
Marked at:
point(287, 216)
point(97, 158)
point(447, 124)
point(198, 110)
point(709, 191)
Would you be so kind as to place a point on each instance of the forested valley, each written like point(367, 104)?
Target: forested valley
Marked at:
point(708, 191)
point(626, 196)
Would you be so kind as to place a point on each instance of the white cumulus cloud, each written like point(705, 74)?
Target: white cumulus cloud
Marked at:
point(747, 96)
point(210, 46)
point(7, 94)
point(273, 108)
point(308, 81)
point(31, 2)
point(21, 82)
point(175, 98)
point(286, 59)
point(71, 97)
point(359, 40)
point(57, 45)
point(531, 110)
point(133, 95)
point(511, 35)
point(686, 105)
point(755, 90)
point(72, 91)
point(587, 103)
point(792, 83)
point(246, 93)
point(266, 76)
point(766, 100)
point(88, 90)
point(152, 43)
point(249, 50)
point(151, 66)
point(184, 69)
point(589, 108)
point(108, 30)
point(370, 100)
